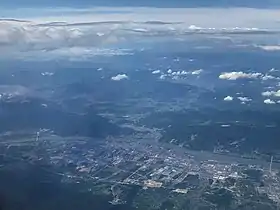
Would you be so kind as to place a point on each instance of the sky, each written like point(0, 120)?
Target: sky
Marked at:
point(145, 3)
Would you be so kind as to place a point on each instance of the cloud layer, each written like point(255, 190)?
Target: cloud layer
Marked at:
point(83, 31)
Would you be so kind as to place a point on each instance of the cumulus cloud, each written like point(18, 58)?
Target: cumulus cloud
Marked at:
point(119, 77)
point(244, 99)
point(267, 93)
point(194, 27)
point(177, 73)
point(269, 101)
point(181, 74)
point(156, 72)
point(273, 70)
point(271, 93)
point(196, 72)
point(228, 98)
point(268, 77)
point(239, 75)
point(277, 93)
point(163, 76)
point(175, 77)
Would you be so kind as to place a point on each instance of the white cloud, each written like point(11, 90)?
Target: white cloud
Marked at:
point(51, 29)
point(69, 40)
point(268, 77)
point(163, 76)
point(277, 93)
point(271, 93)
point(119, 77)
point(228, 98)
point(175, 77)
point(181, 73)
point(267, 93)
point(244, 99)
point(169, 71)
point(194, 27)
point(47, 73)
point(269, 47)
point(239, 75)
point(156, 72)
point(196, 72)
point(273, 70)
point(269, 101)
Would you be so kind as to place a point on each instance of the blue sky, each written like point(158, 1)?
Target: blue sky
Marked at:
point(152, 3)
